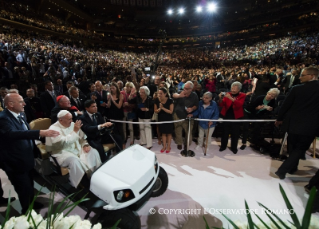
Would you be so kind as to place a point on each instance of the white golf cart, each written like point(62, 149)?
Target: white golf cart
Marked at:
point(118, 187)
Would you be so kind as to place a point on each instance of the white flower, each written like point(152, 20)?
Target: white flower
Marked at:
point(10, 223)
point(37, 218)
point(67, 222)
point(42, 225)
point(241, 225)
point(21, 223)
point(96, 226)
point(85, 224)
point(314, 222)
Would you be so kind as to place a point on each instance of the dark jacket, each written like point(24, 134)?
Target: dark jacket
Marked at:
point(89, 128)
point(300, 109)
point(149, 103)
point(17, 151)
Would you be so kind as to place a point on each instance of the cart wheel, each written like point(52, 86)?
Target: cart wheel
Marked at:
point(161, 183)
point(128, 219)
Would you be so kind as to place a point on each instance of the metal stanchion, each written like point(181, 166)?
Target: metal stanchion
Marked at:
point(186, 152)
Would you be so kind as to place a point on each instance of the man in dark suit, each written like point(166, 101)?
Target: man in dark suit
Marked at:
point(102, 98)
point(59, 87)
point(290, 80)
point(93, 122)
point(17, 148)
point(48, 99)
point(76, 99)
point(300, 112)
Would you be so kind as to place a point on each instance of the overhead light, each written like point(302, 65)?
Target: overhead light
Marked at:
point(211, 7)
point(181, 11)
point(170, 11)
point(199, 9)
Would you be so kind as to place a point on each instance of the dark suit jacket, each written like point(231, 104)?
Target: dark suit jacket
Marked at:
point(47, 103)
point(81, 106)
point(103, 98)
point(61, 89)
point(16, 151)
point(300, 109)
point(286, 81)
point(89, 128)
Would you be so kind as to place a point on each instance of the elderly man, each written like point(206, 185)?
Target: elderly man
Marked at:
point(185, 103)
point(67, 148)
point(18, 148)
point(63, 103)
point(75, 98)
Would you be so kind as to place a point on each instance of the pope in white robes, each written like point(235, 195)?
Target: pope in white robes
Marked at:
point(68, 147)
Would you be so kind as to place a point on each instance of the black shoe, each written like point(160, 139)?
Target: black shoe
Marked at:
point(235, 151)
point(149, 148)
point(281, 176)
point(37, 205)
point(242, 147)
point(292, 171)
point(4, 201)
point(179, 147)
point(221, 149)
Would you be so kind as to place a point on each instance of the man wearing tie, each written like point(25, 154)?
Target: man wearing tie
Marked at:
point(76, 99)
point(17, 148)
point(48, 99)
point(291, 79)
point(93, 122)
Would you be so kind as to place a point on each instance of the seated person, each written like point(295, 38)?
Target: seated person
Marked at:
point(92, 123)
point(66, 148)
point(63, 103)
point(260, 108)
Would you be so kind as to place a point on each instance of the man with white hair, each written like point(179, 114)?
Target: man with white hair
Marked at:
point(186, 103)
point(67, 148)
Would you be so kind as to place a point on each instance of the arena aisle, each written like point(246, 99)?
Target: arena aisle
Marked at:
point(203, 185)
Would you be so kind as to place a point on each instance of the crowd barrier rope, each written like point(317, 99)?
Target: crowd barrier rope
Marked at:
point(211, 120)
point(198, 119)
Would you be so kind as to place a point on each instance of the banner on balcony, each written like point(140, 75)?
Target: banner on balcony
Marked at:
point(145, 3)
point(133, 2)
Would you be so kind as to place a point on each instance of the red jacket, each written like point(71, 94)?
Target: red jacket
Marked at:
point(237, 105)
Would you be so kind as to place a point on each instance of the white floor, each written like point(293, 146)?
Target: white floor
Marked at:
point(202, 185)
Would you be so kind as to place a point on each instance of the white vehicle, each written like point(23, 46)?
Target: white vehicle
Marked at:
point(118, 187)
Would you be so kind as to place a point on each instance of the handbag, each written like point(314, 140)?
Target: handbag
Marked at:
point(155, 117)
point(131, 115)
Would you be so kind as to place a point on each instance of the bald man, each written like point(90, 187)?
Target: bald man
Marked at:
point(17, 148)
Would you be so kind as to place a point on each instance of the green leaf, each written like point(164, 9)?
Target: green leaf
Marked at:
point(272, 220)
point(274, 215)
point(250, 220)
point(263, 222)
point(115, 225)
point(307, 215)
point(231, 222)
point(206, 224)
point(291, 209)
point(8, 210)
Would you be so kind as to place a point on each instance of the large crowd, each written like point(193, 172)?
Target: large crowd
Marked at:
point(84, 90)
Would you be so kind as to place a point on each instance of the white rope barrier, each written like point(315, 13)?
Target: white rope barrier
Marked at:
point(121, 121)
point(236, 120)
point(198, 119)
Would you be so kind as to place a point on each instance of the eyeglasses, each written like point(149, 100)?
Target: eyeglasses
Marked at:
point(305, 75)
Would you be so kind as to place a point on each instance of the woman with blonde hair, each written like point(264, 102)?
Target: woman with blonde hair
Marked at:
point(129, 114)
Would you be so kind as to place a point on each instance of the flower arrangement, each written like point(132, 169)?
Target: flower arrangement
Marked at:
point(55, 220)
point(308, 221)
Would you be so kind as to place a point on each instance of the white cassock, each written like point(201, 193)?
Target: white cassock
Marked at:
point(67, 149)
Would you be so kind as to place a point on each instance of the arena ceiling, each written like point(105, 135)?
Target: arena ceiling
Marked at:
point(144, 18)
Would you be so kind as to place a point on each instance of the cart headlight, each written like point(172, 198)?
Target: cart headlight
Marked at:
point(123, 195)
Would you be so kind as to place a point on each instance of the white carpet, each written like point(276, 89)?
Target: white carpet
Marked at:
point(202, 185)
